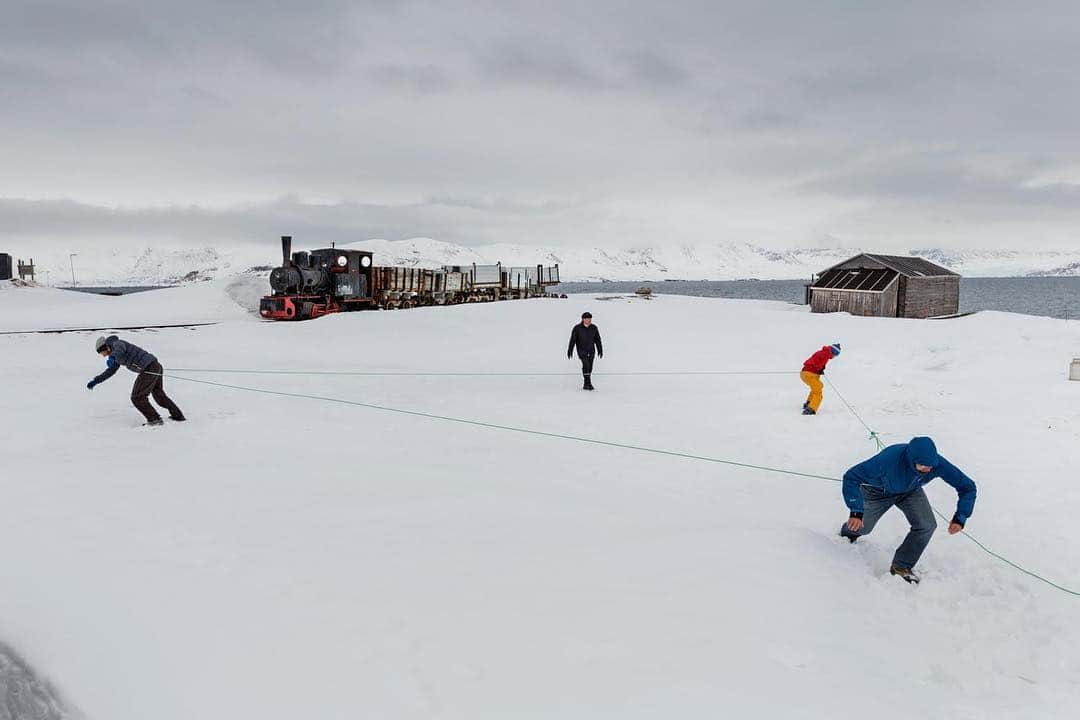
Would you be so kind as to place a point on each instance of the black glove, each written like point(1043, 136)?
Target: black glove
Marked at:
point(90, 385)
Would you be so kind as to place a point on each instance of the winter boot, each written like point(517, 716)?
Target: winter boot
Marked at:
point(588, 384)
point(178, 418)
point(907, 573)
point(153, 423)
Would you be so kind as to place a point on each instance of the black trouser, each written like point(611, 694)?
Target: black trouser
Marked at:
point(586, 367)
point(151, 381)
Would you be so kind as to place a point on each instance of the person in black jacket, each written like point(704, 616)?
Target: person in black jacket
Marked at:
point(150, 379)
point(586, 338)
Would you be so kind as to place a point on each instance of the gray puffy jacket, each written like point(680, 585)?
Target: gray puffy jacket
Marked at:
point(131, 356)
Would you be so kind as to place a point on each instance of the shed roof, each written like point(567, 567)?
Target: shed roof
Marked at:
point(907, 265)
point(871, 280)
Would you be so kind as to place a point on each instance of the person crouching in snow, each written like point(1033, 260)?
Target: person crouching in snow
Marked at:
point(895, 476)
point(812, 370)
point(150, 379)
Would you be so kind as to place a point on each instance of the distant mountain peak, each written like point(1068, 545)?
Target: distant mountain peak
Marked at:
point(703, 261)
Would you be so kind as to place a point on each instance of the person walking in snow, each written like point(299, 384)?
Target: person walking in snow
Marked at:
point(586, 338)
point(812, 370)
point(150, 379)
point(895, 476)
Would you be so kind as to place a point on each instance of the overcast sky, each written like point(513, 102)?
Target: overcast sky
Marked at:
point(951, 124)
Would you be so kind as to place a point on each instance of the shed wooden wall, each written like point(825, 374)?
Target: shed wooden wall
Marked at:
point(890, 297)
point(930, 297)
point(856, 302)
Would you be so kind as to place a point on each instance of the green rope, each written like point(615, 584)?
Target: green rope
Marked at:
point(450, 373)
point(510, 428)
point(605, 443)
point(1009, 562)
point(873, 435)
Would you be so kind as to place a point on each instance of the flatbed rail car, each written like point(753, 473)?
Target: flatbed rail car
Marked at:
point(329, 280)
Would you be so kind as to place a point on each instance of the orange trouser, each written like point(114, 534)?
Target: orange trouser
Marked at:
point(814, 381)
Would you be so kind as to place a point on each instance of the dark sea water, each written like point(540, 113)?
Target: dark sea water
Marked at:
point(1056, 297)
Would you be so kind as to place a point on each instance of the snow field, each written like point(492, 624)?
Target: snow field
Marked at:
point(282, 557)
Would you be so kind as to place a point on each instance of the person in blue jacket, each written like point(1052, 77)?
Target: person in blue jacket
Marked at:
point(150, 379)
point(895, 476)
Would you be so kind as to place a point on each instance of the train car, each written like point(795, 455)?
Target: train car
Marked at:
point(519, 282)
point(405, 287)
point(328, 280)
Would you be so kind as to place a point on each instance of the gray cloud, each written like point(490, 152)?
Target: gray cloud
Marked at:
point(50, 223)
point(632, 123)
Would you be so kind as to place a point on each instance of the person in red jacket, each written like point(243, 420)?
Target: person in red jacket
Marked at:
point(812, 370)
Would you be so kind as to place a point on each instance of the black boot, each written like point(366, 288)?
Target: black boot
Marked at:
point(588, 384)
point(907, 573)
point(153, 423)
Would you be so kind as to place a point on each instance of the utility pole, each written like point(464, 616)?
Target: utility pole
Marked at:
point(71, 258)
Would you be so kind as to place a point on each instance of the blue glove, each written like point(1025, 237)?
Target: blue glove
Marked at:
point(90, 385)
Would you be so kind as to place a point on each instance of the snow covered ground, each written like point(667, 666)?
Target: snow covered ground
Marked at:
point(279, 557)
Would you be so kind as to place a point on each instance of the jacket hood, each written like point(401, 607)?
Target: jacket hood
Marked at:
point(922, 451)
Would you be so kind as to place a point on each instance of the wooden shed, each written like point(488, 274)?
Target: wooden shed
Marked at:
point(886, 286)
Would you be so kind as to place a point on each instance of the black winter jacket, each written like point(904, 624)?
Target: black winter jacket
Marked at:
point(586, 340)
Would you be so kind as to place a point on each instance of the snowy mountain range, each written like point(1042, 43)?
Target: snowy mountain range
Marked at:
point(159, 266)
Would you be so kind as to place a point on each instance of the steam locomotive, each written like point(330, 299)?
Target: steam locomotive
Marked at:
point(309, 284)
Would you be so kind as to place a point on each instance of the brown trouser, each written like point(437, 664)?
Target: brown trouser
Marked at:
point(151, 381)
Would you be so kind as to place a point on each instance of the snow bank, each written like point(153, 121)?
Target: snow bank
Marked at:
point(42, 308)
point(280, 558)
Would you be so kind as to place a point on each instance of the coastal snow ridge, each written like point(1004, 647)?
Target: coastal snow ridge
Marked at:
point(160, 265)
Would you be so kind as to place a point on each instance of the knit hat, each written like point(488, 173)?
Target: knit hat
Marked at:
point(835, 347)
point(100, 344)
point(586, 314)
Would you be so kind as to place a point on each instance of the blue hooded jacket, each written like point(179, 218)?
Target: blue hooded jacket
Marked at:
point(893, 472)
point(131, 356)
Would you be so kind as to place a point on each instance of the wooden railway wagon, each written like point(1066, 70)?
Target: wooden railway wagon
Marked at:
point(520, 281)
point(328, 280)
point(886, 286)
point(405, 287)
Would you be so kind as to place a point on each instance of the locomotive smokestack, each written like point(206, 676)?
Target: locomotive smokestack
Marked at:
point(286, 250)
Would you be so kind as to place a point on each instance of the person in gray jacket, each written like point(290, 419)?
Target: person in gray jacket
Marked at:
point(150, 379)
